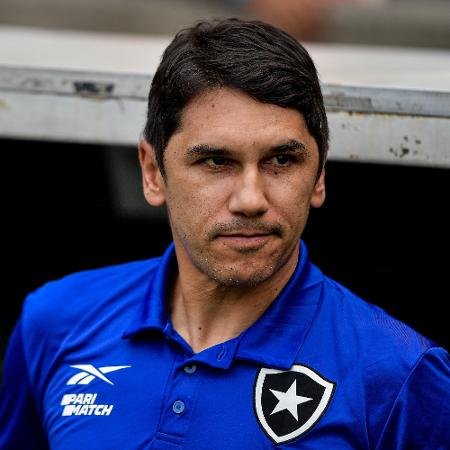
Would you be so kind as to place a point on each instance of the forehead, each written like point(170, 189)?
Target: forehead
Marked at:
point(232, 118)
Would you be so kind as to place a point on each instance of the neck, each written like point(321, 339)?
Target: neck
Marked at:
point(205, 313)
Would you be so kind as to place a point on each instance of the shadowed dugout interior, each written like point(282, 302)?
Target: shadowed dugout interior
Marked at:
point(383, 231)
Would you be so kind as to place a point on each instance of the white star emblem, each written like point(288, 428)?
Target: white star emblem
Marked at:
point(289, 400)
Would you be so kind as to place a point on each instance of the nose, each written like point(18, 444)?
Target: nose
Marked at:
point(248, 197)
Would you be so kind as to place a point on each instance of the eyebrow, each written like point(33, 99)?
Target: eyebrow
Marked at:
point(204, 150)
point(291, 146)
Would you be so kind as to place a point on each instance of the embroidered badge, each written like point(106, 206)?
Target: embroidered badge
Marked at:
point(289, 403)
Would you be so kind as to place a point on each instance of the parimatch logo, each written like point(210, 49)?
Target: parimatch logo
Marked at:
point(84, 405)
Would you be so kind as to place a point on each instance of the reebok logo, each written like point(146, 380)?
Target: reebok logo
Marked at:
point(89, 373)
point(84, 405)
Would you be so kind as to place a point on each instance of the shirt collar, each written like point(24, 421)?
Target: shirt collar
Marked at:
point(274, 340)
point(152, 312)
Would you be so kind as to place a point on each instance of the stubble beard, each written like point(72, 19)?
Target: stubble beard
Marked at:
point(230, 276)
point(227, 275)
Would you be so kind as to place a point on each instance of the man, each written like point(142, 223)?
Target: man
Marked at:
point(232, 339)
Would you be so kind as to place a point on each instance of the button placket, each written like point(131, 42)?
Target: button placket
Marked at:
point(181, 398)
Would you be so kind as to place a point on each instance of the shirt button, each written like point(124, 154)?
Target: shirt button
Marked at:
point(190, 369)
point(178, 407)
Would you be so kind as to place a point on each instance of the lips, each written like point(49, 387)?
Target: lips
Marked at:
point(245, 232)
point(244, 240)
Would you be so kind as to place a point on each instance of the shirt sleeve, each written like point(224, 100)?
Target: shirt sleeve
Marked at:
point(20, 426)
point(420, 416)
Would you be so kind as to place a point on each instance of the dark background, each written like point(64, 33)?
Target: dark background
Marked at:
point(384, 231)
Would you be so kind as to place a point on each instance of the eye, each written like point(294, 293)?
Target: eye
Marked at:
point(280, 160)
point(215, 162)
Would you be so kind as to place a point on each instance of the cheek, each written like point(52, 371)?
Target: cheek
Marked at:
point(194, 205)
point(291, 198)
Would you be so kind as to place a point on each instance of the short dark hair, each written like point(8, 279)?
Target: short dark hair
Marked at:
point(252, 56)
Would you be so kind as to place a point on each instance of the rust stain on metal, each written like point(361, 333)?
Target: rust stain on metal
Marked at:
point(400, 152)
point(93, 89)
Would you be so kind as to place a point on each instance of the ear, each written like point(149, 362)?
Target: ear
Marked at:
point(318, 195)
point(152, 180)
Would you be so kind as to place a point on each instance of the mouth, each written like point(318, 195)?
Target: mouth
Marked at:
point(245, 240)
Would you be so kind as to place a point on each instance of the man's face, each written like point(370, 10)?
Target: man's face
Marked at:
point(240, 178)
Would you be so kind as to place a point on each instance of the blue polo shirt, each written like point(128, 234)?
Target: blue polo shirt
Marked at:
point(94, 363)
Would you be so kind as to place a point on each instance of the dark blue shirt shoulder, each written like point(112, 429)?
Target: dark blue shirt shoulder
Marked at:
point(63, 303)
point(375, 358)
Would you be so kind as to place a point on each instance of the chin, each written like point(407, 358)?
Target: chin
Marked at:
point(233, 277)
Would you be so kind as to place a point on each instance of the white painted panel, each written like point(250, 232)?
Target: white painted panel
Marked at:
point(72, 119)
point(104, 100)
point(390, 138)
